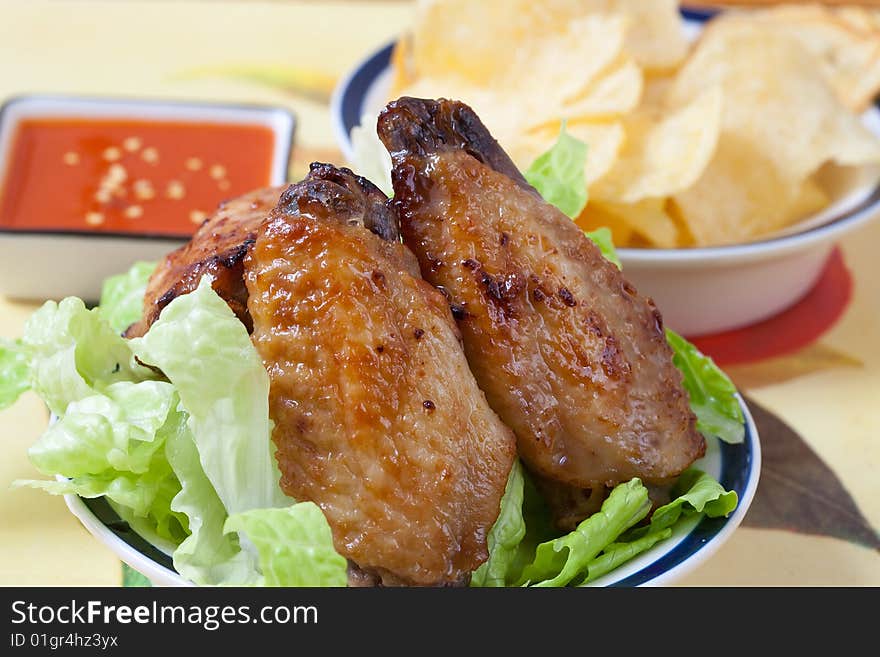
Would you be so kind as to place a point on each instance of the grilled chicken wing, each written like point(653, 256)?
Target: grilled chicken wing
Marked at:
point(568, 353)
point(217, 248)
point(377, 417)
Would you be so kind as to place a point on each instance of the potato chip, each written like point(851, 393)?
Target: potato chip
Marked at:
point(615, 91)
point(655, 90)
point(403, 71)
point(808, 200)
point(729, 140)
point(848, 58)
point(741, 194)
point(663, 155)
point(603, 141)
point(480, 41)
point(452, 37)
point(861, 19)
point(564, 66)
point(496, 43)
point(780, 123)
point(594, 217)
point(843, 181)
point(655, 37)
point(647, 218)
point(534, 94)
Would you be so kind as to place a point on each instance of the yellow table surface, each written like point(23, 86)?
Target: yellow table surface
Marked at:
point(266, 52)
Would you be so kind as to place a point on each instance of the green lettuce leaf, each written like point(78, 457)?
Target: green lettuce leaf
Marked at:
point(605, 540)
point(112, 445)
point(207, 355)
point(224, 460)
point(506, 534)
point(161, 526)
point(122, 296)
point(208, 556)
point(602, 238)
point(617, 554)
point(294, 544)
point(695, 492)
point(108, 438)
point(559, 174)
point(15, 371)
point(562, 560)
point(111, 431)
point(178, 453)
point(712, 394)
point(74, 353)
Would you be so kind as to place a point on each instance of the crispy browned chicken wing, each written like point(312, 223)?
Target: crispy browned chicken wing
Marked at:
point(217, 248)
point(377, 417)
point(568, 353)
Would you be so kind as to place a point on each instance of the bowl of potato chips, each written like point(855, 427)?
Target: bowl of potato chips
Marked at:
point(727, 152)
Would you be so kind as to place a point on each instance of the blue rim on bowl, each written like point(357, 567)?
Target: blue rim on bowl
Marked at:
point(736, 467)
point(351, 99)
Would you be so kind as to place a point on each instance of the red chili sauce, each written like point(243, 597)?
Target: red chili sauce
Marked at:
point(128, 176)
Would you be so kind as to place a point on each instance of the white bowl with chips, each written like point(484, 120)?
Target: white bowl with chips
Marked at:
point(702, 291)
point(699, 290)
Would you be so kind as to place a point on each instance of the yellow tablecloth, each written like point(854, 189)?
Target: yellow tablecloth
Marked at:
point(268, 52)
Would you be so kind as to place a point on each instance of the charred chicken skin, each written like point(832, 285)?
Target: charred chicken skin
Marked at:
point(569, 354)
point(377, 416)
point(217, 248)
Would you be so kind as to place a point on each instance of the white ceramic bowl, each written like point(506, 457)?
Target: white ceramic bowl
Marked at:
point(699, 291)
point(736, 467)
point(52, 264)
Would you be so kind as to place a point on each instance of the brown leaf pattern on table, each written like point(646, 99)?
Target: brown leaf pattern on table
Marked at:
point(798, 492)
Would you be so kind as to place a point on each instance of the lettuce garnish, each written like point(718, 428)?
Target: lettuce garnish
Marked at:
point(559, 174)
point(294, 545)
point(506, 535)
point(122, 296)
point(14, 371)
point(525, 551)
point(712, 394)
point(602, 238)
point(183, 455)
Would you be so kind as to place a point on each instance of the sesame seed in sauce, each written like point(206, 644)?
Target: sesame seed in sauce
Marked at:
point(103, 195)
point(175, 190)
point(94, 218)
point(217, 171)
point(197, 216)
point(132, 144)
point(143, 190)
point(111, 154)
point(116, 173)
point(133, 211)
point(150, 155)
point(193, 164)
point(71, 158)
